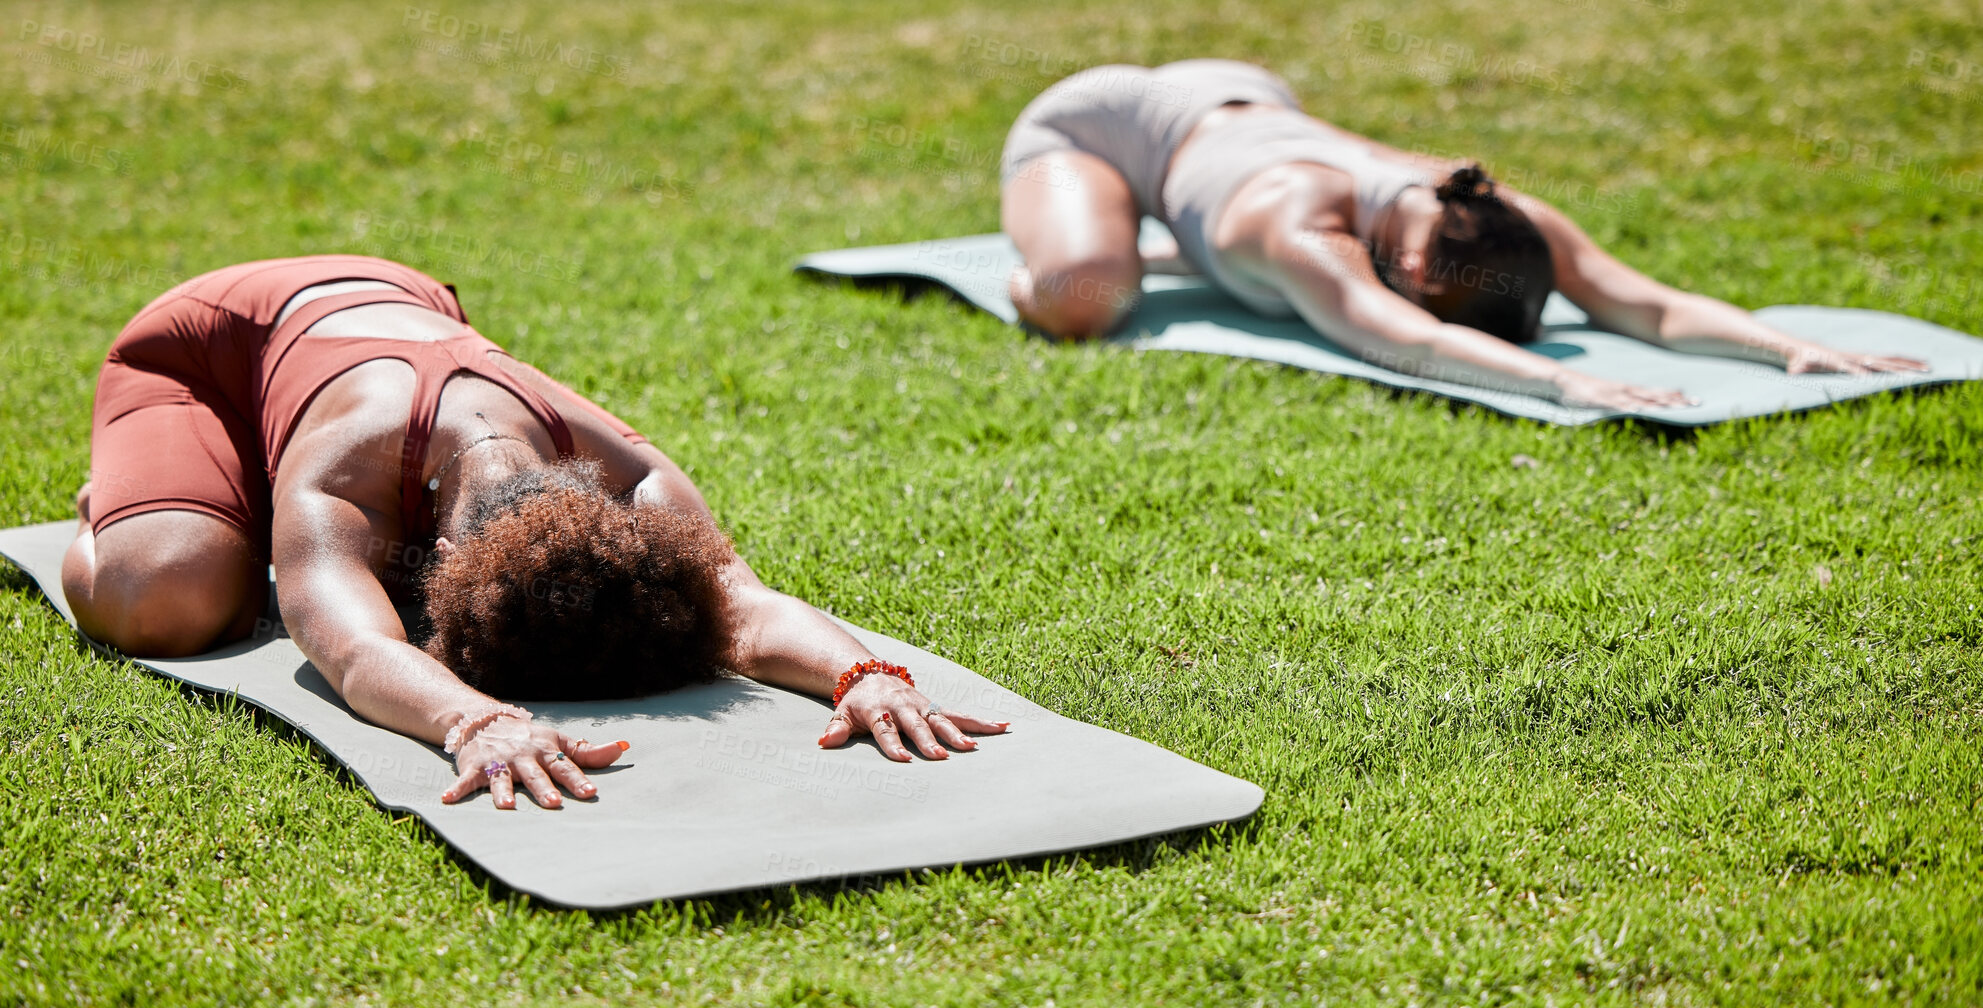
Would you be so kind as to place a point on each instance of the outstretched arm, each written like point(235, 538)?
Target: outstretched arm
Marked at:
point(1327, 275)
point(1624, 300)
point(783, 641)
point(340, 616)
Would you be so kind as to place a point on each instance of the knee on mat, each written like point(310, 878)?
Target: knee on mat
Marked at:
point(1083, 300)
point(167, 626)
point(175, 614)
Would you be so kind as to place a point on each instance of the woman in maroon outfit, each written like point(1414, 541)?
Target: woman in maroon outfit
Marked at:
point(337, 417)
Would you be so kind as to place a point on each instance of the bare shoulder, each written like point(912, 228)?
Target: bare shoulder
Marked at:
point(351, 436)
point(596, 432)
point(348, 445)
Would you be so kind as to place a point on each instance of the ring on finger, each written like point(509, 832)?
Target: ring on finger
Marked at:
point(935, 709)
point(556, 757)
point(495, 769)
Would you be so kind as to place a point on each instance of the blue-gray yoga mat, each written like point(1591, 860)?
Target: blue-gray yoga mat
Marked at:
point(1186, 313)
point(725, 788)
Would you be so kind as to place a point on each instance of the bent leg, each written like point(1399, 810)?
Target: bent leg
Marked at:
point(1075, 222)
point(164, 584)
point(167, 561)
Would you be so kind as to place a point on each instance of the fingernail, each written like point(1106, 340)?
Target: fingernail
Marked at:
point(624, 745)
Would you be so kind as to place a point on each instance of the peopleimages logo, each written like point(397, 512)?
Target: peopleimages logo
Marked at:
point(455, 252)
point(1133, 82)
point(41, 143)
point(172, 66)
point(527, 160)
point(802, 769)
point(498, 44)
point(1418, 54)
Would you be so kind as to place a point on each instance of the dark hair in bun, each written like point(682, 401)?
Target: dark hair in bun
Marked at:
point(1487, 267)
point(1468, 183)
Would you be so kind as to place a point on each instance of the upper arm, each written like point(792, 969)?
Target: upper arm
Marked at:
point(1326, 273)
point(325, 550)
point(1615, 295)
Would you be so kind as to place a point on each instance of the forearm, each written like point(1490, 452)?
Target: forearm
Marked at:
point(1623, 300)
point(1458, 354)
point(1696, 324)
point(1404, 338)
point(782, 641)
point(395, 685)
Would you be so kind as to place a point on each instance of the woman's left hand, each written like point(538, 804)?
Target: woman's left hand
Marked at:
point(888, 709)
point(1809, 358)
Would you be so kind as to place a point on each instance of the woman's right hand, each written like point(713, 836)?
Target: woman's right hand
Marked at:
point(1576, 389)
point(511, 750)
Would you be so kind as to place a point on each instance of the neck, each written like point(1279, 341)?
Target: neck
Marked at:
point(475, 459)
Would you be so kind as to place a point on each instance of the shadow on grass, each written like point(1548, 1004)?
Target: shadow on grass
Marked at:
point(906, 287)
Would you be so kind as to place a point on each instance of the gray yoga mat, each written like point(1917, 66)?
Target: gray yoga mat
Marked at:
point(725, 789)
point(1186, 313)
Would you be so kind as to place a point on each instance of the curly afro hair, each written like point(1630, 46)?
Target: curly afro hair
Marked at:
point(561, 591)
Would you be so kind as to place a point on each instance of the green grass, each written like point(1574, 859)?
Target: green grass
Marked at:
point(1671, 720)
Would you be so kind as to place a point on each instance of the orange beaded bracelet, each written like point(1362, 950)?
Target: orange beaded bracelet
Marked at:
point(853, 675)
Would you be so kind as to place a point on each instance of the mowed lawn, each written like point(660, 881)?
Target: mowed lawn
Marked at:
point(1660, 718)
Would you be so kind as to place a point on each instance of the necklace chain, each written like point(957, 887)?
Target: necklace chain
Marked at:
point(434, 485)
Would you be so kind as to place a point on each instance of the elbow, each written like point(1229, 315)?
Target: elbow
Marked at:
point(335, 667)
point(340, 662)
